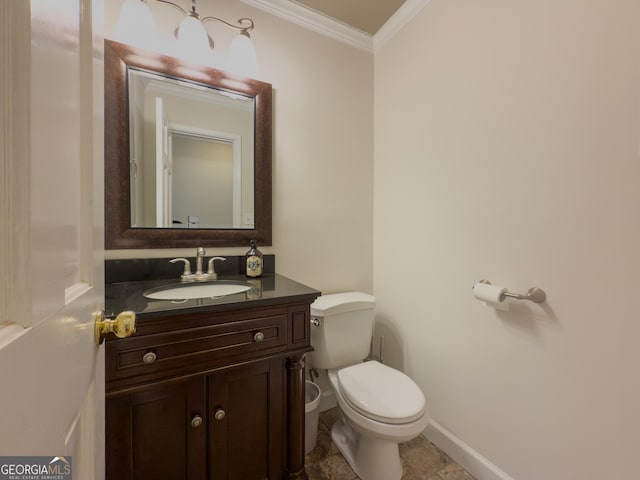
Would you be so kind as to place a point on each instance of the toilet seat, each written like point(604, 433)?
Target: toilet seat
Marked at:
point(381, 393)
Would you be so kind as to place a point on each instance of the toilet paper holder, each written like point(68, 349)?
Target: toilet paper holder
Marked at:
point(534, 294)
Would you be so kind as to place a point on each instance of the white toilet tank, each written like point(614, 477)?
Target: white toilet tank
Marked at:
point(343, 335)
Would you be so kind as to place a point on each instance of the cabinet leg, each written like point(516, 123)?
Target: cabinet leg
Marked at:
point(295, 418)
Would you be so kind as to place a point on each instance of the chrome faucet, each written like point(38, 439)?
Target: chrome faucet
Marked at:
point(199, 276)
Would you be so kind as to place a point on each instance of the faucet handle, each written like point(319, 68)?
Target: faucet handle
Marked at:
point(211, 271)
point(187, 266)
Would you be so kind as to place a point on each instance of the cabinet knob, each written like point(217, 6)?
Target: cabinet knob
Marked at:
point(149, 357)
point(219, 415)
point(196, 421)
point(258, 337)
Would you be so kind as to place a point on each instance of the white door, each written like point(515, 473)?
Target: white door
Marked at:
point(51, 240)
point(164, 169)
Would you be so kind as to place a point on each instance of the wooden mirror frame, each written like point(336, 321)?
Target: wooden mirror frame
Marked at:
point(118, 231)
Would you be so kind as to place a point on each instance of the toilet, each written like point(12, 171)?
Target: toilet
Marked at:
point(379, 406)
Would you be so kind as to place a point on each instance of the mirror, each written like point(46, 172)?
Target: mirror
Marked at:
point(187, 153)
point(190, 154)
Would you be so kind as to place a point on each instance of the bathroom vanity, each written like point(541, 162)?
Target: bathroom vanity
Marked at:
point(208, 388)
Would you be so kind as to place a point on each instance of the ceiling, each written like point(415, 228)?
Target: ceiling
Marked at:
point(365, 15)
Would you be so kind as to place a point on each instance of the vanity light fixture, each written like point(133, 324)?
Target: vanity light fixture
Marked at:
point(136, 26)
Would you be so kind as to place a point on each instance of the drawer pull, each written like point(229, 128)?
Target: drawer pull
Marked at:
point(219, 415)
point(149, 357)
point(258, 337)
point(196, 421)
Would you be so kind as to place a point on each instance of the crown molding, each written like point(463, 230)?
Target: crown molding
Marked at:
point(317, 22)
point(310, 19)
point(408, 10)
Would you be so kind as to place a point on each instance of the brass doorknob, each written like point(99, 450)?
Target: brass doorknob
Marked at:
point(124, 325)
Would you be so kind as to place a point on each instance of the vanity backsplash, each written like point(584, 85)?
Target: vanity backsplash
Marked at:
point(143, 269)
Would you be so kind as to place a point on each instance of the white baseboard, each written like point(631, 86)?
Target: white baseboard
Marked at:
point(463, 454)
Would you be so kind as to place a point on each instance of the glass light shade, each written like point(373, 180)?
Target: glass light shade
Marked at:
point(242, 57)
point(193, 41)
point(136, 25)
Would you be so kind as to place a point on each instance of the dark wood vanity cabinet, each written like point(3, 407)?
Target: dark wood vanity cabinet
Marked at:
point(247, 442)
point(152, 432)
point(212, 395)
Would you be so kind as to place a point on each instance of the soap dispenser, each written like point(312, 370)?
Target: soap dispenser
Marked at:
point(254, 261)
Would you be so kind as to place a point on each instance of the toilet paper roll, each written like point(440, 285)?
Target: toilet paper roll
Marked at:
point(491, 295)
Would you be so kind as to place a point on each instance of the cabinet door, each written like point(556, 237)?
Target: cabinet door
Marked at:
point(158, 432)
point(246, 406)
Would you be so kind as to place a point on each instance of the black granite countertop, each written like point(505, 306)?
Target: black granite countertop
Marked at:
point(270, 289)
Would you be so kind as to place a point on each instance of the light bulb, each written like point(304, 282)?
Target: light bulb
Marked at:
point(242, 56)
point(135, 25)
point(193, 41)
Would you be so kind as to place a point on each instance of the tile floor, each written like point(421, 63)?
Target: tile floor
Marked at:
point(421, 460)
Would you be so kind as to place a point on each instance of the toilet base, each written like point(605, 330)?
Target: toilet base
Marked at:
point(370, 458)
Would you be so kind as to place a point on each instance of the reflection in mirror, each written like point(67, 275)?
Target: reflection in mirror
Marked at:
point(191, 154)
point(187, 153)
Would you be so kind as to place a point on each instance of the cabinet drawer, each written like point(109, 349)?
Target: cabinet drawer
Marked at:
point(171, 353)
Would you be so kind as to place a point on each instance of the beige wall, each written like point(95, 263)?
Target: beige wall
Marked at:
point(507, 148)
point(322, 152)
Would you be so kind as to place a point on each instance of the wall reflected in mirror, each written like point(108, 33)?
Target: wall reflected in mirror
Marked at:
point(191, 154)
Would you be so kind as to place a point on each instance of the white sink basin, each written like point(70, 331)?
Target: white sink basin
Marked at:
point(190, 291)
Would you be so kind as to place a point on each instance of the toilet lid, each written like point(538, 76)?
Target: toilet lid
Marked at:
point(381, 393)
